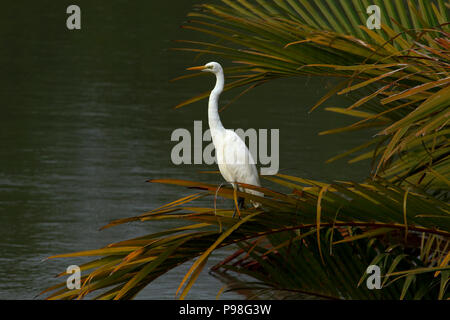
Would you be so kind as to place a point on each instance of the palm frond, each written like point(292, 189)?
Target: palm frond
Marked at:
point(375, 207)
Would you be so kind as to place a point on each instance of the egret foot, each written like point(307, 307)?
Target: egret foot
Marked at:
point(236, 205)
point(240, 205)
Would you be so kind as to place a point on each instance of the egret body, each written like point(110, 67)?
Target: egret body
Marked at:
point(235, 161)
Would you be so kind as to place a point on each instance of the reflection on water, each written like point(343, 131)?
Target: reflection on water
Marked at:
point(86, 118)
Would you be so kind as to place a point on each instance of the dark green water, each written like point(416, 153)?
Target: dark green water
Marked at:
point(86, 117)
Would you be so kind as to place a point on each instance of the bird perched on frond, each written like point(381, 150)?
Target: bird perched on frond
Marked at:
point(235, 161)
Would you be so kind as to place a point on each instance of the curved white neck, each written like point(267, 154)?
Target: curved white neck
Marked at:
point(213, 113)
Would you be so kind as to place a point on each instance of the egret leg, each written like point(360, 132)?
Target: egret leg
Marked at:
point(241, 202)
point(236, 208)
point(240, 205)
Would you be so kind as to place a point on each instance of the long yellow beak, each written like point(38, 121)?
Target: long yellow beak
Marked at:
point(196, 68)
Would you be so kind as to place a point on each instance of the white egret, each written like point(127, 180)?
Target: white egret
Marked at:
point(235, 161)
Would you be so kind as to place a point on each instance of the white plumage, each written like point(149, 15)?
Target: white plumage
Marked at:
point(235, 161)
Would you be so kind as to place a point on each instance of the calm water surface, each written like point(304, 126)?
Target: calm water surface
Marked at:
point(86, 117)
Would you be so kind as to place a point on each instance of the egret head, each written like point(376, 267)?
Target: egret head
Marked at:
point(212, 67)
